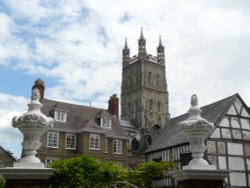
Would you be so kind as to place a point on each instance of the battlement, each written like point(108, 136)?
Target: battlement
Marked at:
point(149, 57)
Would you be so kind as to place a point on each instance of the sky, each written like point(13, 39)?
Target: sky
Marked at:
point(75, 47)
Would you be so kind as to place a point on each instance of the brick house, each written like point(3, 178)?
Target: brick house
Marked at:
point(82, 130)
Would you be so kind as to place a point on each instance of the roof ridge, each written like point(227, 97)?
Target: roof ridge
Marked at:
point(73, 104)
point(232, 96)
point(221, 100)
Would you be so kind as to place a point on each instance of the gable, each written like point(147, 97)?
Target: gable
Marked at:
point(238, 108)
point(235, 123)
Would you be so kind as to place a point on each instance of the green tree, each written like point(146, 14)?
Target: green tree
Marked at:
point(144, 173)
point(84, 171)
point(111, 173)
point(2, 183)
point(79, 172)
point(87, 172)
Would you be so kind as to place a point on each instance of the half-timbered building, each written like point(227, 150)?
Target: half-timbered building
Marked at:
point(228, 146)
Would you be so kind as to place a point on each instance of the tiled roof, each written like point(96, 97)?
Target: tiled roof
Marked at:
point(127, 124)
point(82, 118)
point(170, 137)
point(6, 157)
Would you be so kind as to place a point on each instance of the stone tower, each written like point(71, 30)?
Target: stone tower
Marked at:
point(144, 95)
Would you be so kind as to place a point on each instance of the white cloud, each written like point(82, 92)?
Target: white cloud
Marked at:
point(78, 44)
point(74, 40)
point(10, 138)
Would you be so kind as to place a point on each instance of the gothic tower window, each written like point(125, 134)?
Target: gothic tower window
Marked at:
point(130, 81)
point(136, 106)
point(150, 78)
point(149, 140)
point(150, 104)
point(135, 144)
point(159, 106)
point(157, 80)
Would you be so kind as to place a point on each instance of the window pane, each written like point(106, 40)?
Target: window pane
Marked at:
point(60, 116)
point(106, 122)
point(52, 139)
point(106, 146)
point(70, 141)
point(117, 146)
point(94, 141)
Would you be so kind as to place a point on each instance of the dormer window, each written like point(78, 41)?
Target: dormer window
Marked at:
point(106, 122)
point(60, 116)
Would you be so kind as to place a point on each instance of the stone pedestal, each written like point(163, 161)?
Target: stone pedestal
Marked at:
point(26, 177)
point(192, 178)
point(29, 172)
point(198, 173)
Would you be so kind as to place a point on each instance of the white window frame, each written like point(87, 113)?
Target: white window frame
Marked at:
point(55, 139)
point(106, 145)
point(106, 122)
point(70, 140)
point(117, 146)
point(94, 141)
point(60, 116)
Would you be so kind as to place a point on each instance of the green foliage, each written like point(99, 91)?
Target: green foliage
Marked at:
point(2, 183)
point(144, 173)
point(84, 171)
point(87, 172)
point(112, 173)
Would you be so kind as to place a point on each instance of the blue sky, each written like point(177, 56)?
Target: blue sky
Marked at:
point(75, 47)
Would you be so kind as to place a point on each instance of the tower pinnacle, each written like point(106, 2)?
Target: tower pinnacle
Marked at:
point(141, 36)
point(160, 42)
point(125, 53)
point(160, 52)
point(126, 43)
point(142, 45)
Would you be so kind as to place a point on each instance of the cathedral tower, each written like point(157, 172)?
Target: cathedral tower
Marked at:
point(144, 96)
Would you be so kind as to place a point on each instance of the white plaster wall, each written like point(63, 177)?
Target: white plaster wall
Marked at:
point(212, 160)
point(216, 133)
point(248, 164)
point(235, 123)
point(235, 148)
point(224, 122)
point(246, 135)
point(232, 111)
point(238, 105)
point(237, 134)
point(244, 113)
point(237, 179)
point(211, 147)
point(221, 147)
point(245, 123)
point(226, 133)
point(236, 163)
point(222, 162)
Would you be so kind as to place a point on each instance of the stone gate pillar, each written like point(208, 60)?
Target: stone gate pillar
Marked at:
point(29, 172)
point(198, 173)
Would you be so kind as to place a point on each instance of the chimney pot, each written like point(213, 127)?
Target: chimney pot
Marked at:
point(113, 107)
point(39, 84)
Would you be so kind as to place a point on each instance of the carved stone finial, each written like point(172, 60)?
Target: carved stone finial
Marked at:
point(126, 43)
point(141, 36)
point(194, 100)
point(160, 42)
point(35, 96)
point(196, 129)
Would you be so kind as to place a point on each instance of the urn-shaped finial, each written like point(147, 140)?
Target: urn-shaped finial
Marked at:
point(196, 129)
point(32, 125)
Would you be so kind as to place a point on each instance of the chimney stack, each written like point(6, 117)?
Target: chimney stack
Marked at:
point(39, 84)
point(113, 107)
